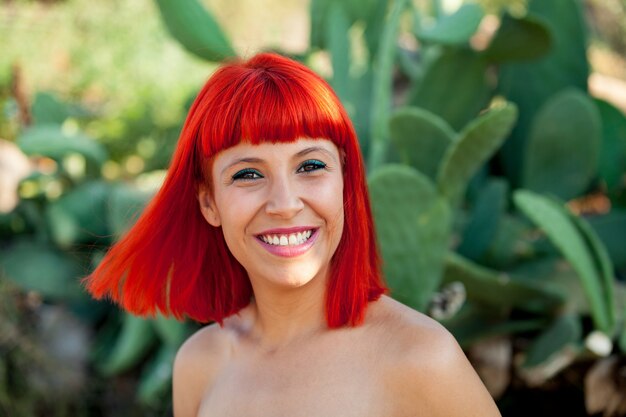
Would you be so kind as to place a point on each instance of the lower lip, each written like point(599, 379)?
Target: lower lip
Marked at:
point(289, 251)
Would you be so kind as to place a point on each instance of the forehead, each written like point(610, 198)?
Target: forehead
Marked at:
point(268, 151)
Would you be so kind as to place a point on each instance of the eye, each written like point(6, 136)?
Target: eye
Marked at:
point(247, 174)
point(311, 165)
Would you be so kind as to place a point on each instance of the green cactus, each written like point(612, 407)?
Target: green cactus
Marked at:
point(454, 29)
point(420, 138)
point(612, 165)
point(564, 144)
point(195, 28)
point(359, 109)
point(611, 229)
point(556, 223)
point(454, 86)
point(363, 11)
point(339, 47)
point(530, 84)
point(519, 39)
point(509, 245)
point(476, 143)
point(486, 214)
point(413, 225)
point(382, 86)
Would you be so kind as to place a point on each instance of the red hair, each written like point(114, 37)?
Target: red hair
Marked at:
point(174, 261)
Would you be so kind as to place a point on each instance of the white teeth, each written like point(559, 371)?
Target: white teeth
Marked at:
point(292, 239)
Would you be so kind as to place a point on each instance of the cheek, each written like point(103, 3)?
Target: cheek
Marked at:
point(328, 202)
point(235, 210)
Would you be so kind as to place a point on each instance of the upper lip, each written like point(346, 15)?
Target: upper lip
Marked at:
point(286, 230)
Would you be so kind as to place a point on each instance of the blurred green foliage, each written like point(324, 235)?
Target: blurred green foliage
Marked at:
point(472, 149)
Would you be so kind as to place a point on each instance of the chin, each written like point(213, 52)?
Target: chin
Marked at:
point(292, 281)
point(294, 277)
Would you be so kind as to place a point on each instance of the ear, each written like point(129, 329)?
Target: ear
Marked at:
point(207, 206)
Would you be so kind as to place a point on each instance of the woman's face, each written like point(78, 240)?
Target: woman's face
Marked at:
point(280, 207)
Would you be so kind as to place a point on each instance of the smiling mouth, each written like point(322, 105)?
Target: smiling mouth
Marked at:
point(290, 239)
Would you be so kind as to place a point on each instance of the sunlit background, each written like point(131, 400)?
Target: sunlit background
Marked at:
point(92, 98)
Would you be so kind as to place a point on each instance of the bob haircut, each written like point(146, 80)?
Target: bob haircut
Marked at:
point(173, 261)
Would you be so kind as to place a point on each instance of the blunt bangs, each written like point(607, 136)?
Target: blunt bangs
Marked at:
point(270, 102)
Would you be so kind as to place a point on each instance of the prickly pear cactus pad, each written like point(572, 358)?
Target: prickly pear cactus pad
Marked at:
point(476, 144)
point(420, 137)
point(412, 224)
point(563, 148)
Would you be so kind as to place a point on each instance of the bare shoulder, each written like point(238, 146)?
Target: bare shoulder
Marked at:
point(198, 362)
point(426, 368)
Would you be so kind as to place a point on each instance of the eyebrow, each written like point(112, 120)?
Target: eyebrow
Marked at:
point(298, 154)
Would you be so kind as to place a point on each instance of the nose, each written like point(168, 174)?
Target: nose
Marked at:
point(284, 199)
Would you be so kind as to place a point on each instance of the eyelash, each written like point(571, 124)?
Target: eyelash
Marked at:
point(312, 162)
point(241, 175)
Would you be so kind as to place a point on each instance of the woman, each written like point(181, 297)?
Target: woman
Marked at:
point(264, 226)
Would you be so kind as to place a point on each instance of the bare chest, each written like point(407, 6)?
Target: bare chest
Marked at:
point(309, 382)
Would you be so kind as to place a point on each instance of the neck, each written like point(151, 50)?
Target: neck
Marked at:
point(283, 315)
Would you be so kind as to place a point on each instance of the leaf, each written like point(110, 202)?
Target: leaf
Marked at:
point(134, 341)
point(565, 331)
point(421, 138)
point(156, 379)
point(476, 144)
point(47, 109)
point(456, 28)
point(79, 216)
point(195, 28)
point(563, 147)
point(412, 224)
point(125, 204)
point(476, 322)
point(556, 224)
point(499, 289)
point(170, 330)
point(603, 263)
point(42, 268)
point(519, 39)
point(50, 141)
